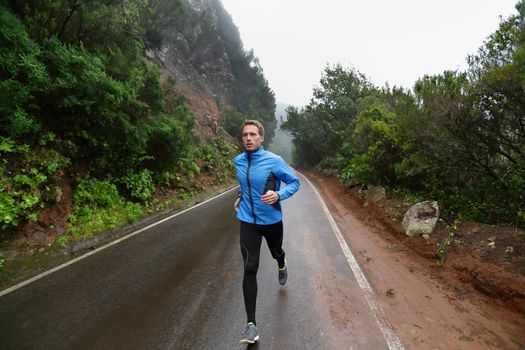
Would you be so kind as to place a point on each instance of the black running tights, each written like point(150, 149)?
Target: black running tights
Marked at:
point(251, 237)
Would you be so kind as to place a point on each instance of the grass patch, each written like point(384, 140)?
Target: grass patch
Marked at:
point(88, 221)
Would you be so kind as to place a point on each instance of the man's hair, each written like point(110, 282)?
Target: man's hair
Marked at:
point(256, 123)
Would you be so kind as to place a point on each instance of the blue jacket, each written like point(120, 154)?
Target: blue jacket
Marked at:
point(258, 172)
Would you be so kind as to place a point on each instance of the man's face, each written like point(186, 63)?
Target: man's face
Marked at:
point(251, 139)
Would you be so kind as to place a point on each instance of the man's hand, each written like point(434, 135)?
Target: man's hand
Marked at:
point(270, 197)
point(236, 204)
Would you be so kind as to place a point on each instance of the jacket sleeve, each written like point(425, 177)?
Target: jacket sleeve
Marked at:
point(284, 173)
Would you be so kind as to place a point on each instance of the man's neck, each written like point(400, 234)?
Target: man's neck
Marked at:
point(254, 151)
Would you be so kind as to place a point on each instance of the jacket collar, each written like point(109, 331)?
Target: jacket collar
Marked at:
point(255, 154)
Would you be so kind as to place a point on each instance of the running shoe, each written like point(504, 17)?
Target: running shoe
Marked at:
point(250, 335)
point(283, 274)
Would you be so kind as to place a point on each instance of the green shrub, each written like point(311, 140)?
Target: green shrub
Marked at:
point(23, 75)
point(27, 176)
point(96, 193)
point(218, 157)
point(169, 138)
point(99, 206)
point(140, 184)
point(133, 211)
point(61, 240)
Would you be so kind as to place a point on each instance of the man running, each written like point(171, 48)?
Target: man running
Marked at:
point(258, 208)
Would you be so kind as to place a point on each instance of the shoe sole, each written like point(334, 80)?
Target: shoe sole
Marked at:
point(247, 341)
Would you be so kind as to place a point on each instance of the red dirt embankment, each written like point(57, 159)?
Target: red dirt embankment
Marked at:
point(475, 300)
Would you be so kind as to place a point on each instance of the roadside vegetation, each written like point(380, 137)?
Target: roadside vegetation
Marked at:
point(456, 137)
point(81, 107)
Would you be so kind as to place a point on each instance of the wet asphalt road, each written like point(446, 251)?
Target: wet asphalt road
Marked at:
point(178, 286)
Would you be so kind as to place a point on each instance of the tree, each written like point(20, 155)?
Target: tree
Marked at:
point(319, 128)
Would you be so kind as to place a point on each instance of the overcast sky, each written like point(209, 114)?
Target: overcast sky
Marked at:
point(397, 41)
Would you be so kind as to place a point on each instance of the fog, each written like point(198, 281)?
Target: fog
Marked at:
point(388, 41)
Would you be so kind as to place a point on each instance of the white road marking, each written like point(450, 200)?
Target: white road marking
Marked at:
point(387, 330)
point(70, 262)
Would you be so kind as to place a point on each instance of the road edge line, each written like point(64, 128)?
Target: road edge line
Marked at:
point(99, 249)
point(392, 340)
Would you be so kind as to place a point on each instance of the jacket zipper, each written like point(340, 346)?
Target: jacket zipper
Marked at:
point(250, 188)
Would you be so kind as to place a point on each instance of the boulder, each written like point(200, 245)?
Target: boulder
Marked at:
point(421, 218)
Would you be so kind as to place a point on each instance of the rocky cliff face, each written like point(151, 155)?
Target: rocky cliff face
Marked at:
point(195, 54)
